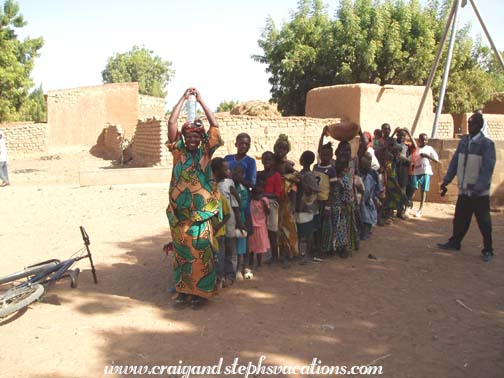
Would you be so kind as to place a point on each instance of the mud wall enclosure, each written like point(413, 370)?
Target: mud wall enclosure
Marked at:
point(370, 105)
point(78, 116)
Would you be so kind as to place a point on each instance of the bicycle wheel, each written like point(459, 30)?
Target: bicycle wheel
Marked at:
point(18, 298)
point(30, 271)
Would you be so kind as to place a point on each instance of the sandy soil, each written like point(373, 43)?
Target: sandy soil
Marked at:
point(416, 310)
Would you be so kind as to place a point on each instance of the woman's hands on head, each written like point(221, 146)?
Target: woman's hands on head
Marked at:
point(192, 91)
point(188, 92)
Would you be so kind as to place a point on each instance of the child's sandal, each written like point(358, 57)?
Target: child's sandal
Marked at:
point(247, 274)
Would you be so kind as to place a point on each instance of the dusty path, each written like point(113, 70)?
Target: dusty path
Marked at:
point(404, 309)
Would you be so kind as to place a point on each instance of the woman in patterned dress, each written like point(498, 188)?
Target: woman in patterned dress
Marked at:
point(193, 202)
point(343, 211)
point(395, 194)
point(287, 230)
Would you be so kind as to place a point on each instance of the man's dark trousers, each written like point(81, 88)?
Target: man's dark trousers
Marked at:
point(464, 210)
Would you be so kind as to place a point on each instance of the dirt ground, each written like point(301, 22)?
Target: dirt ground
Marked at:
point(415, 310)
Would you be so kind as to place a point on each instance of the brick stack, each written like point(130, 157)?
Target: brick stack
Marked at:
point(148, 143)
point(25, 138)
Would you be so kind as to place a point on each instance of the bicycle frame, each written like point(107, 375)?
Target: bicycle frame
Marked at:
point(60, 268)
point(41, 275)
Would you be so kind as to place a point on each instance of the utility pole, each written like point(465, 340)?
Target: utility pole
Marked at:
point(450, 24)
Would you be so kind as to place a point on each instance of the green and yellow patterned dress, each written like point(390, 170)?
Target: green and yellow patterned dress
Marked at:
point(287, 228)
point(194, 200)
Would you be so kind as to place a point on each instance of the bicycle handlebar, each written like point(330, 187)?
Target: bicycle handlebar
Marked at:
point(85, 237)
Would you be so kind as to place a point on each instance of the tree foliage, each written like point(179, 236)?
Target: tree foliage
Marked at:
point(381, 42)
point(35, 107)
point(139, 65)
point(16, 64)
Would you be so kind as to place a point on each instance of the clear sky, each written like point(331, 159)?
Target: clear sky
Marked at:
point(209, 43)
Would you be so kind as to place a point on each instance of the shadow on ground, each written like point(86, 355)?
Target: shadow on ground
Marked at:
point(402, 310)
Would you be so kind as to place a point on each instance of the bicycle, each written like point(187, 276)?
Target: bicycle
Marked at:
point(40, 276)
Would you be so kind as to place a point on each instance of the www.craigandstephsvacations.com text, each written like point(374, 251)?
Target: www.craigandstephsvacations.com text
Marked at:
point(244, 369)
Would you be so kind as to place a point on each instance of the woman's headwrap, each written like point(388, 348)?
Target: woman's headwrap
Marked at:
point(282, 138)
point(194, 127)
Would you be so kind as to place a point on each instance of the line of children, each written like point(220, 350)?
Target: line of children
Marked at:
point(284, 215)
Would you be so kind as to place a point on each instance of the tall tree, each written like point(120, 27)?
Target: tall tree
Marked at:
point(16, 62)
point(380, 41)
point(297, 55)
point(35, 107)
point(139, 65)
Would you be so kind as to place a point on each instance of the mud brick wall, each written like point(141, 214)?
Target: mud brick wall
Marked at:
point(304, 133)
point(76, 116)
point(446, 149)
point(112, 137)
point(149, 143)
point(495, 105)
point(495, 126)
point(445, 127)
point(150, 107)
point(25, 138)
point(371, 105)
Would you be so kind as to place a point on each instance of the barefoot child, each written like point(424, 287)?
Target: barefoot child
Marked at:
point(241, 238)
point(422, 170)
point(287, 231)
point(306, 205)
point(220, 170)
point(259, 209)
point(372, 190)
point(326, 174)
point(248, 164)
point(273, 190)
